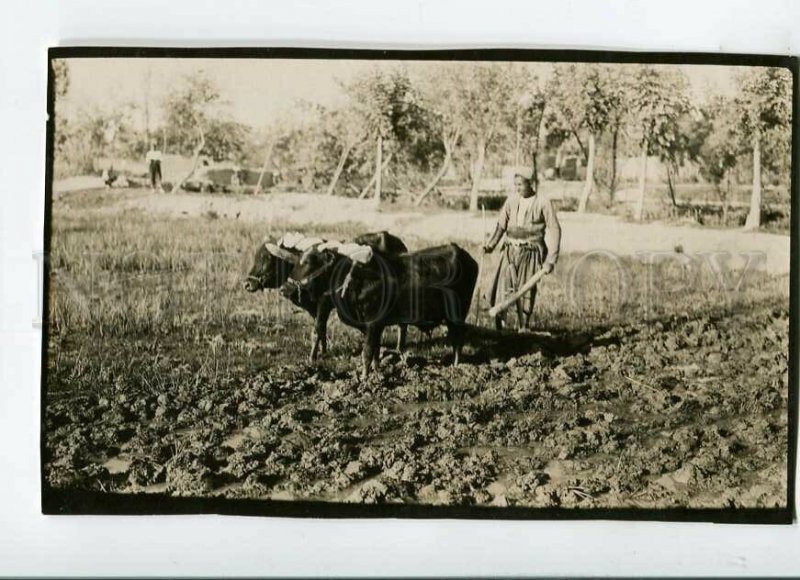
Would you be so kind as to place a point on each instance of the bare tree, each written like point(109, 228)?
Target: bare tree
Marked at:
point(349, 133)
point(485, 102)
point(389, 109)
point(188, 109)
point(583, 99)
point(439, 87)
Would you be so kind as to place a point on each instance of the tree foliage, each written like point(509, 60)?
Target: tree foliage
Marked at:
point(764, 108)
point(386, 104)
point(487, 101)
point(225, 139)
point(764, 105)
point(188, 108)
point(194, 110)
point(584, 99)
point(92, 134)
point(487, 97)
point(719, 143)
point(764, 100)
point(467, 120)
point(60, 77)
point(583, 96)
point(659, 101)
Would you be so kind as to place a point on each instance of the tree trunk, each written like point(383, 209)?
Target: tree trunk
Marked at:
point(477, 171)
point(195, 160)
point(559, 159)
point(642, 181)
point(613, 182)
point(264, 165)
point(580, 144)
point(378, 169)
point(365, 192)
point(671, 186)
point(339, 168)
point(147, 85)
point(448, 154)
point(753, 221)
point(726, 197)
point(589, 183)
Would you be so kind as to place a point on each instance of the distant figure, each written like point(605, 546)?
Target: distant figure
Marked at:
point(109, 177)
point(236, 181)
point(153, 161)
point(533, 239)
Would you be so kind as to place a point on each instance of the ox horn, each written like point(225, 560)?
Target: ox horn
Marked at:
point(307, 254)
point(281, 253)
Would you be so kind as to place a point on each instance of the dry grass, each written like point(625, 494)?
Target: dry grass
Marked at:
point(128, 280)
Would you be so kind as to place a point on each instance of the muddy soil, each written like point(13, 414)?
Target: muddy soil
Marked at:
point(682, 412)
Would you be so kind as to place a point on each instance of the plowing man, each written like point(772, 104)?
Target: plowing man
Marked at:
point(533, 240)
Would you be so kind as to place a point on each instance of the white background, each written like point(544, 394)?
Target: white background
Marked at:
point(209, 545)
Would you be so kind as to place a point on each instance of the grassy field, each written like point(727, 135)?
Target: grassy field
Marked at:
point(641, 389)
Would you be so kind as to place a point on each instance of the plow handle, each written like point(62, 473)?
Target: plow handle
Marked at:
point(530, 283)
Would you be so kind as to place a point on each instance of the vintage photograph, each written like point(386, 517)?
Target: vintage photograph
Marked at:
point(506, 284)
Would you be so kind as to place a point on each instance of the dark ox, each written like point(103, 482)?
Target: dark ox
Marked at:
point(271, 270)
point(426, 289)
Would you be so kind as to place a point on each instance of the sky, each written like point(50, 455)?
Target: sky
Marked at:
point(258, 91)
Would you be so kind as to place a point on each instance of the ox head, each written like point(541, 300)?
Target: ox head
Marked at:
point(312, 265)
point(383, 242)
point(271, 267)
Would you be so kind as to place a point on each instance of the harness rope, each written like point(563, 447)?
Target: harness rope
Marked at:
point(343, 288)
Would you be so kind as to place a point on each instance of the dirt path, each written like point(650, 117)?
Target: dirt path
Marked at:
point(581, 233)
point(77, 183)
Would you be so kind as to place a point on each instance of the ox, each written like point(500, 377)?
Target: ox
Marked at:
point(271, 267)
point(427, 288)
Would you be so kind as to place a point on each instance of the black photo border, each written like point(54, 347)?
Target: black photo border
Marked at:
point(81, 502)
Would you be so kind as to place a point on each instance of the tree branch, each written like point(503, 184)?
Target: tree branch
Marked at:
point(197, 150)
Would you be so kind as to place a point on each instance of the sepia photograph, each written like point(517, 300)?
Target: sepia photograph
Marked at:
point(512, 284)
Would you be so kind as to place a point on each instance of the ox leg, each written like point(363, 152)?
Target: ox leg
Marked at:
point(372, 343)
point(402, 334)
point(315, 346)
point(376, 353)
point(319, 336)
point(455, 332)
point(321, 325)
point(366, 357)
point(498, 322)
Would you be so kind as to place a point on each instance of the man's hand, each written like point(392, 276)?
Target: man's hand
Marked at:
point(548, 268)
